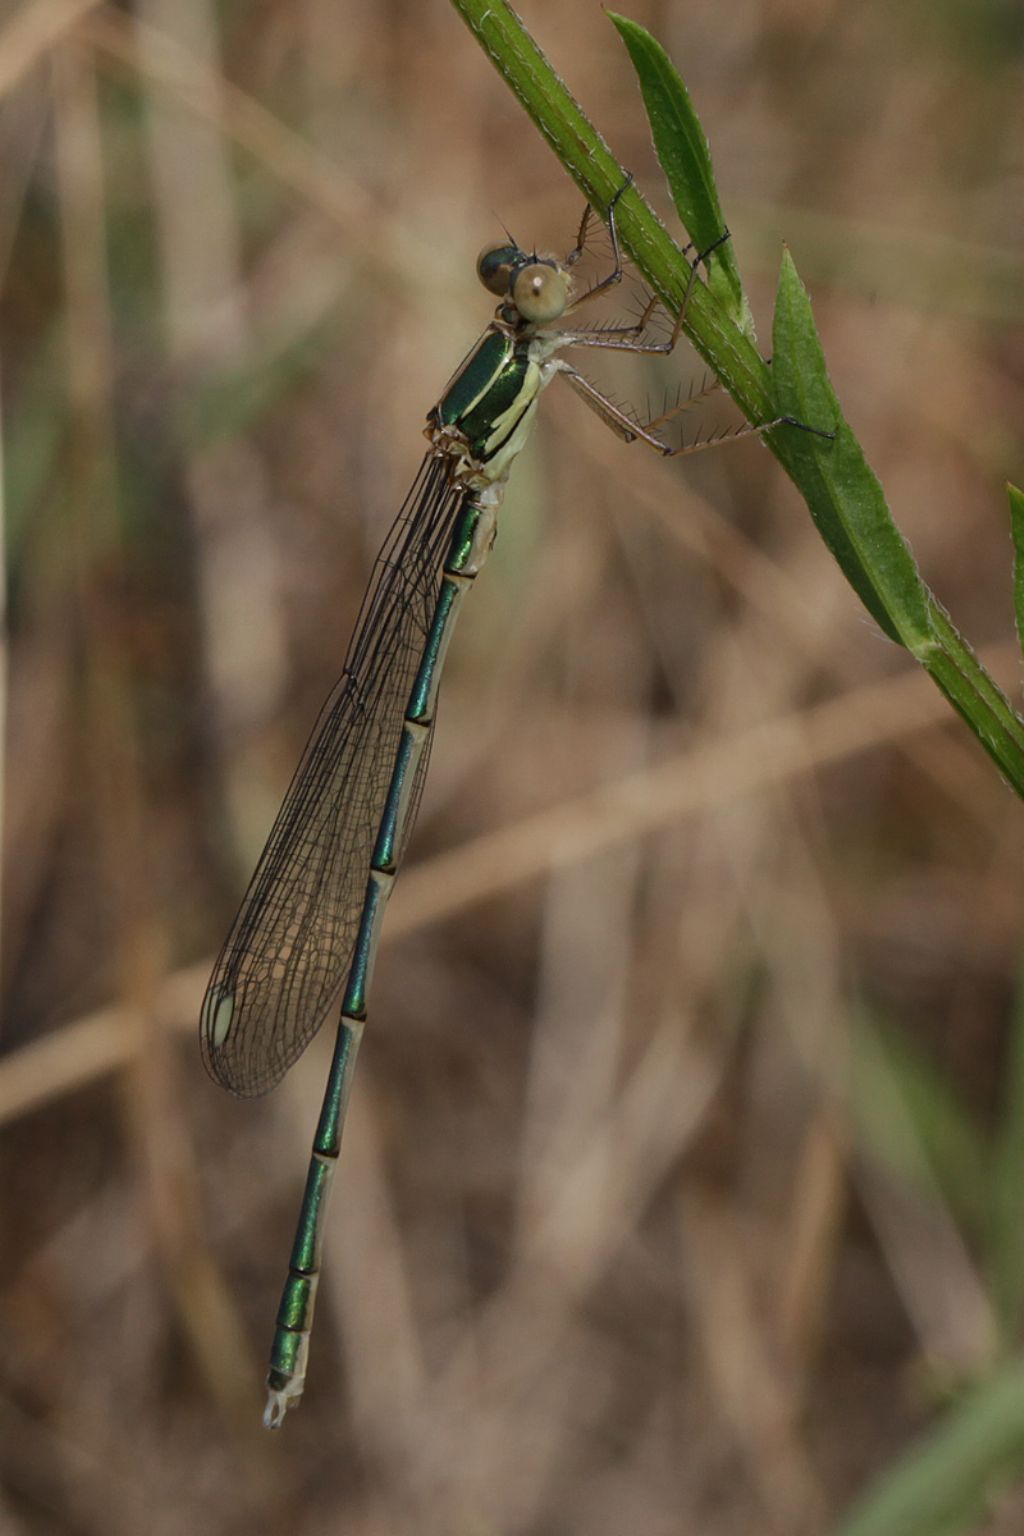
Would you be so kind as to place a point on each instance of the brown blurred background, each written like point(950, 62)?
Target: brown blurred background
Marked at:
point(681, 1186)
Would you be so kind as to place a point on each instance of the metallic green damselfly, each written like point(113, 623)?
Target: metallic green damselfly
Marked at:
point(305, 937)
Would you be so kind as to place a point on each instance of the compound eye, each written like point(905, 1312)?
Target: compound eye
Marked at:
point(495, 265)
point(540, 292)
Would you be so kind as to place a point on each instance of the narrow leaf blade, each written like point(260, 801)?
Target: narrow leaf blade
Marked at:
point(844, 496)
point(943, 1483)
point(682, 150)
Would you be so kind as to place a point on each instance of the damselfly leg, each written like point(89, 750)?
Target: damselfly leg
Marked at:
point(631, 338)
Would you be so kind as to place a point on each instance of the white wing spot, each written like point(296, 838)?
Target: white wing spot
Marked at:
point(220, 1010)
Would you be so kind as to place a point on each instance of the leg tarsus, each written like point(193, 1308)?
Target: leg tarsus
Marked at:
point(804, 426)
point(702, 258)
point(750, 429)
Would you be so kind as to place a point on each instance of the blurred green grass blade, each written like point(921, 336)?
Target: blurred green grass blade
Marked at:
point(1006, 1256)
point(845, 499)
point(1017, 529)
point(944, 1483)
point(909, 1117)
point(34, 443)
point(682, 149)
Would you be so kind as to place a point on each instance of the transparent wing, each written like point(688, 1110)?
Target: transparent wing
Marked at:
point(286, 958)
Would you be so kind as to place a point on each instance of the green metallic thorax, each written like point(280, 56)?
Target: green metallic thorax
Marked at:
point(490, 399)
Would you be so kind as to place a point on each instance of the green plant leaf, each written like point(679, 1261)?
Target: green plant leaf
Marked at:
point(682, 149)
point(843, 494)
point(849, 508)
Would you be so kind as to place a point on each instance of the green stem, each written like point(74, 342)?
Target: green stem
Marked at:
point(976, 697)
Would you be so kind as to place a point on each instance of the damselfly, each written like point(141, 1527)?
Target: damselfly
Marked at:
point(304, 939)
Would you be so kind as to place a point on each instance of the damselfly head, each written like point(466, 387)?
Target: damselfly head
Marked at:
point(537, 286)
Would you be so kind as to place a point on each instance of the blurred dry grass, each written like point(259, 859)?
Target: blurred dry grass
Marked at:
point(646, 1223)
